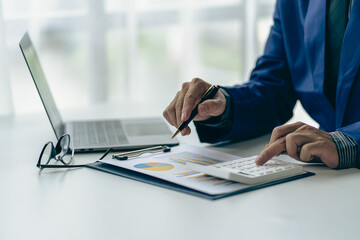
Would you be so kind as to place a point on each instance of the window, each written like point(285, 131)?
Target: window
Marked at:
point(120, 50)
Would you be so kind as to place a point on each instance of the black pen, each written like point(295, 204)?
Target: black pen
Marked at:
point(210, 93)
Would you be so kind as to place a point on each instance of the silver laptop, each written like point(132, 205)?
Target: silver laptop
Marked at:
point(95, 135)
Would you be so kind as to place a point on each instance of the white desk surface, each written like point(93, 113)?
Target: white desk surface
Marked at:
point(89, 204)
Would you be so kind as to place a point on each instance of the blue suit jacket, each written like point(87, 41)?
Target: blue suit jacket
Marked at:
point(292, 68)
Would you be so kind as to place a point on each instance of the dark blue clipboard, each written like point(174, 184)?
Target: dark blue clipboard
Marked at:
point(163, 183)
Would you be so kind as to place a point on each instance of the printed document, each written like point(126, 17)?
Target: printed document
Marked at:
point(171, 167)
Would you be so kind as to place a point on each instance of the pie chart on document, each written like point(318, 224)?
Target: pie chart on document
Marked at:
point(154, 166)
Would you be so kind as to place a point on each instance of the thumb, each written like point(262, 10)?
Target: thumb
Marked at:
point(211, 107)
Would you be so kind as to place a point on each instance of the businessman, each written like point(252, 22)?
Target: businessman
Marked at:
point(313, 55)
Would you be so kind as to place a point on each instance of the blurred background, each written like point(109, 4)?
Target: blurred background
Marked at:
point(96, 51)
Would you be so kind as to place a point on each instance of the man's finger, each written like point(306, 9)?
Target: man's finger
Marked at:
point(309, 152)
point(272, 150)
point(186, 131)
point(282, 131)
point(210, 108)
point(178, 108)
point(192, 96)
point(320, 151)
point(170, 113)
point(295, 141)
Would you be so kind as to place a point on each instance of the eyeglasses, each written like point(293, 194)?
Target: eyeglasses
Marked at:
point(57, 153)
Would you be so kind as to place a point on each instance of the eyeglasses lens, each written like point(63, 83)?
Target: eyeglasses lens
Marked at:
point(47, 154)
point(63, 145)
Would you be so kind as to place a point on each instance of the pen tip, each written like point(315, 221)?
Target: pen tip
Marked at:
point(176, 133)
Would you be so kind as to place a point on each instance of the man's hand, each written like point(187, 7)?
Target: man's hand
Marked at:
point(302, 142)
point(185, 101)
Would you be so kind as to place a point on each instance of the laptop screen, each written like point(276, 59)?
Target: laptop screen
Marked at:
point(42, 87)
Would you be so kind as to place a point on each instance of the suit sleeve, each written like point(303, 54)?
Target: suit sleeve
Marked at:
point(264, 102)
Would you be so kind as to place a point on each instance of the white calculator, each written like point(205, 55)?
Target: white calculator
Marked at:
point(245, 170)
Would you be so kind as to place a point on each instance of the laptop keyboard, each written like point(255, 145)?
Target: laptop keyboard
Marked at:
point(99, 133)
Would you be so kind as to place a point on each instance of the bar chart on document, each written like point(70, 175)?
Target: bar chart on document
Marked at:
point(184, 157)
point(171, 167)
